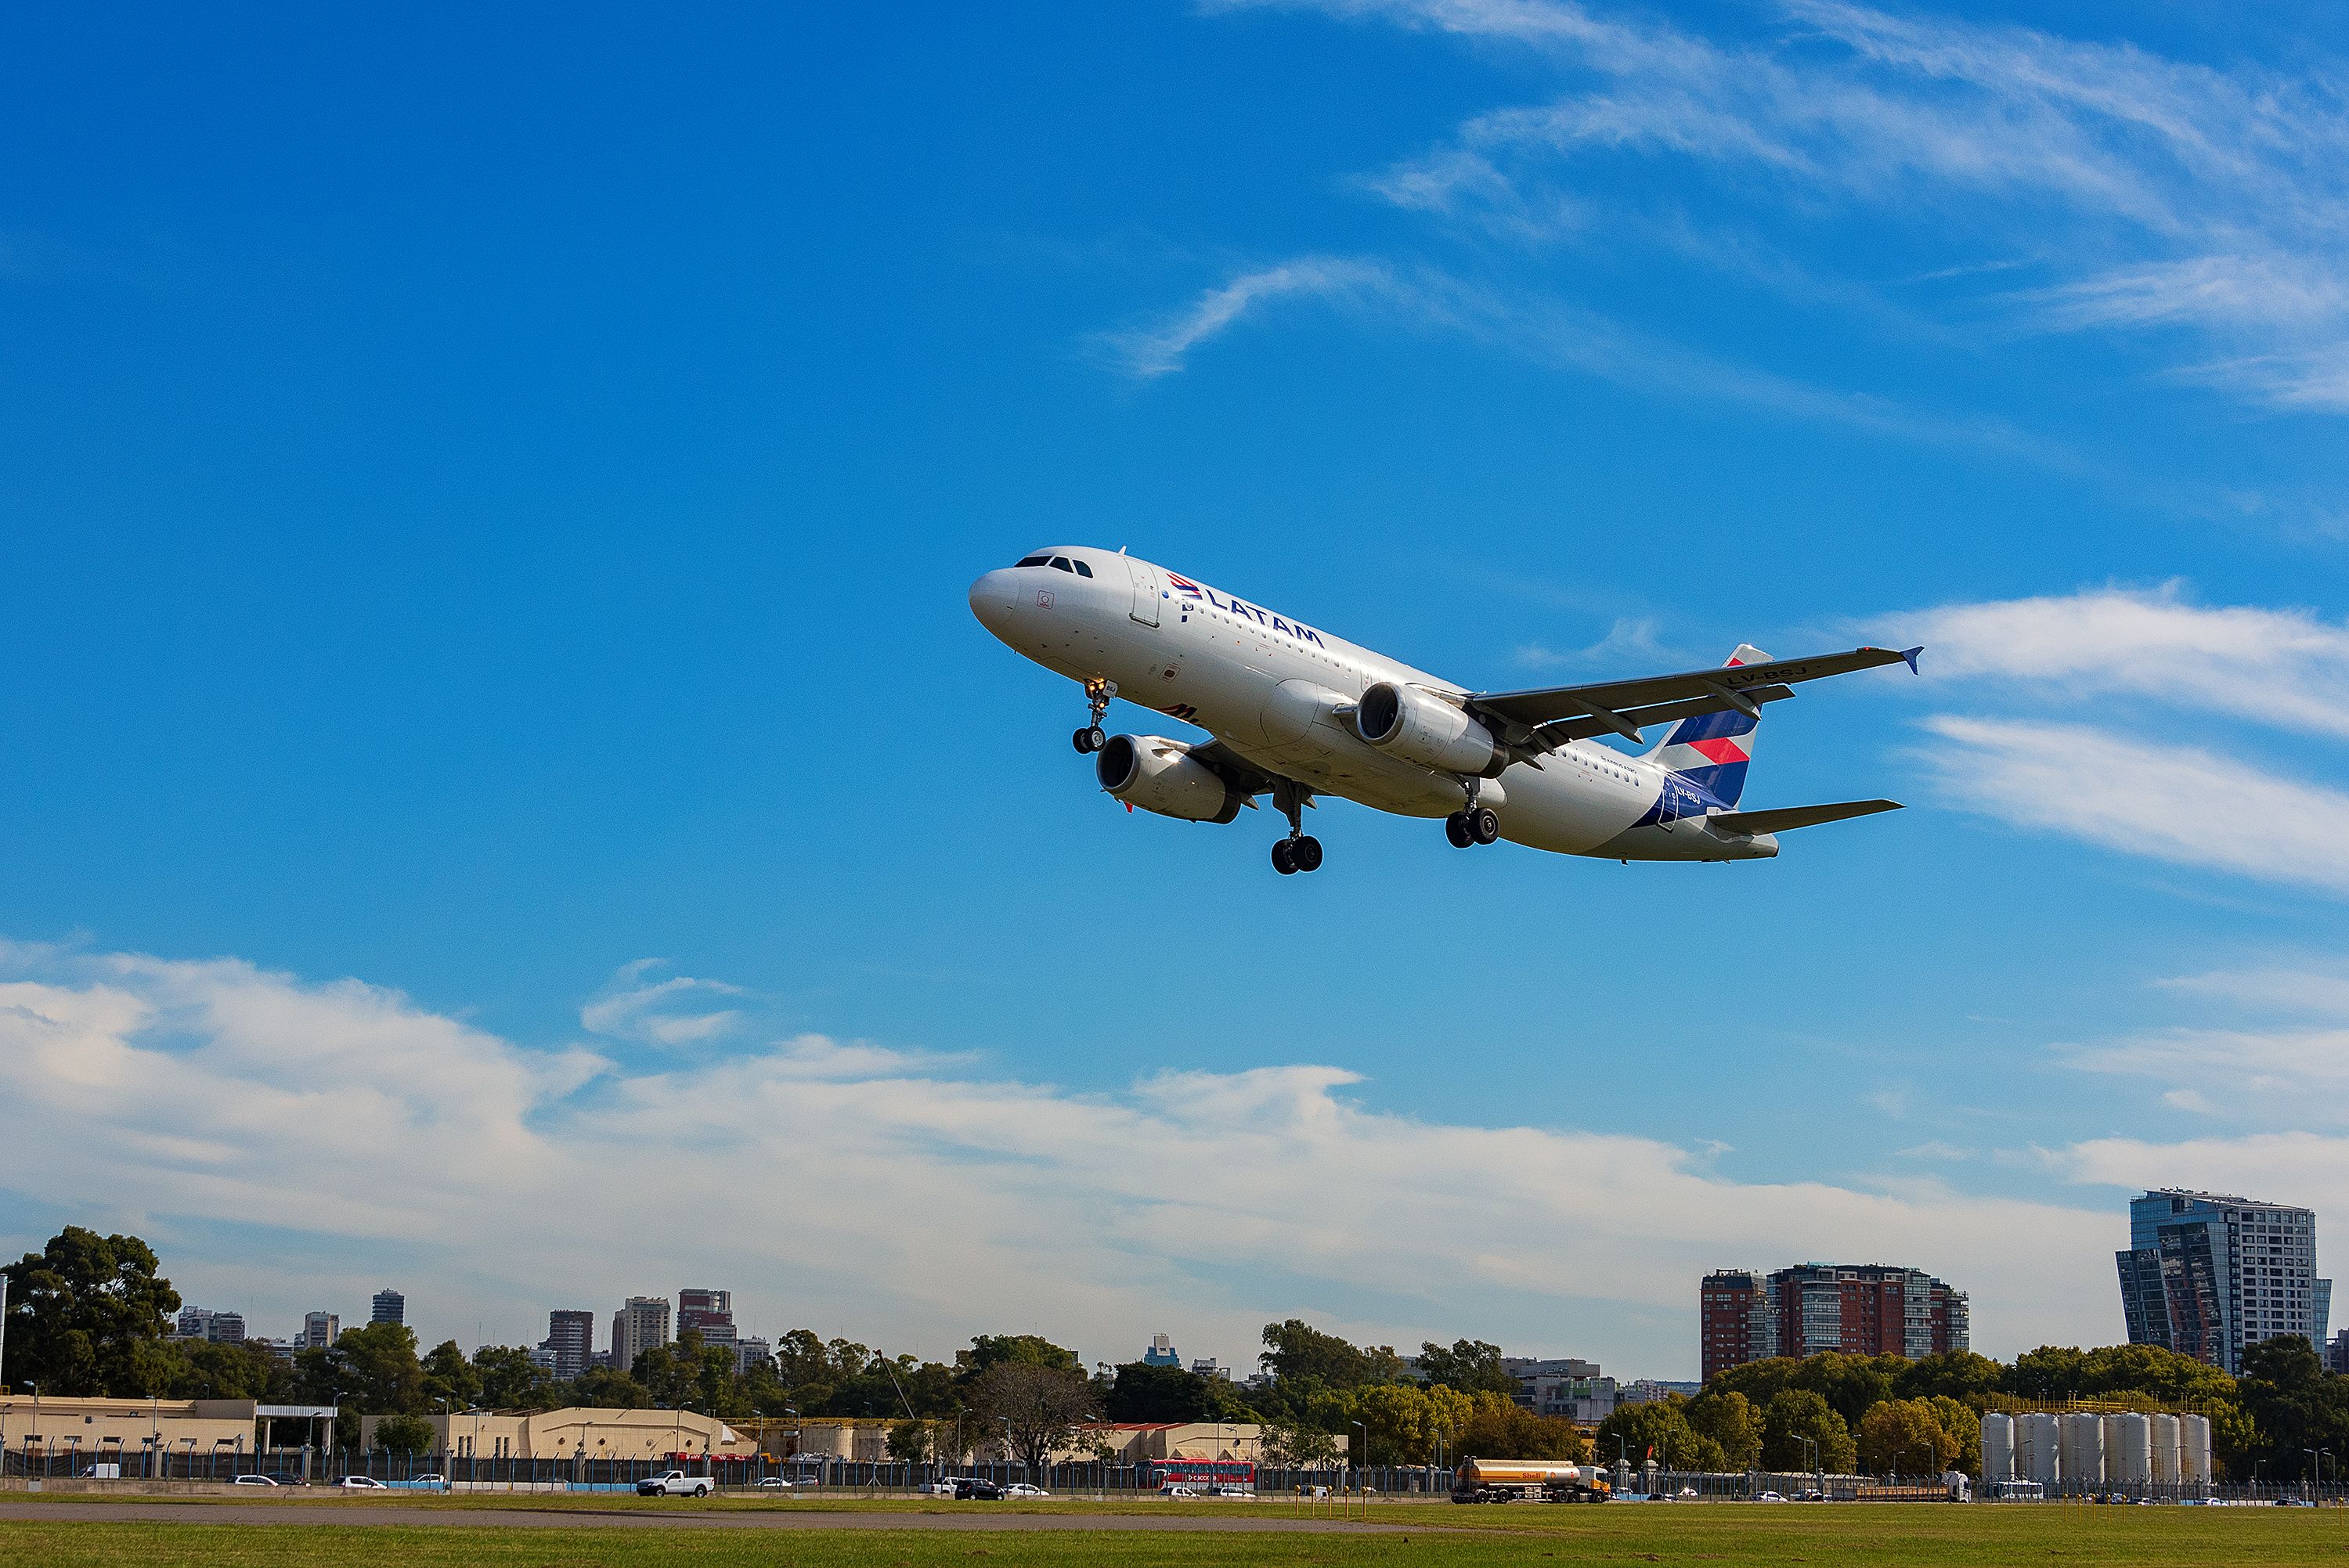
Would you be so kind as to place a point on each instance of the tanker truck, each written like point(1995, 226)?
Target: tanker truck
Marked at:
point(1528, 1481)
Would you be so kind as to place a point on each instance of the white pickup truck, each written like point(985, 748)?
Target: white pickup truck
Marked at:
point(674, 1484)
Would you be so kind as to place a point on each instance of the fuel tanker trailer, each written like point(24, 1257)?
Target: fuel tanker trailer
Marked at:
point(1528, 1481)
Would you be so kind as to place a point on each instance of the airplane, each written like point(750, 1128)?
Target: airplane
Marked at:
point(1296, 713)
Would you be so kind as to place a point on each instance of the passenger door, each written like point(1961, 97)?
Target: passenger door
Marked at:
point(1145, 590)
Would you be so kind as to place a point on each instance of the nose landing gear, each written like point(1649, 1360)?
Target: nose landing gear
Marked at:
point(1092, 738)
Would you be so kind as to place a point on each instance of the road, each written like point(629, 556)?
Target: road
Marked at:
point(981, 1517)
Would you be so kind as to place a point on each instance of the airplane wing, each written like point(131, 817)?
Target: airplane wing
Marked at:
point(1785, 818)
point(1547, 717)
point(1235, 769)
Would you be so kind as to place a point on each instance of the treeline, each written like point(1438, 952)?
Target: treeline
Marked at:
point(91, 1315)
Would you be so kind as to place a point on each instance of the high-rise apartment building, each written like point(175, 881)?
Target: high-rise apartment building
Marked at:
point(388, 1306)
point(751, 1352)
point(711, 1311)
point(1161, 1353)
point(641, 1323)
point(203, 1322)
point(2210, 1275)
point(1859, 1309)
point(571, 1337)
point(320, 1330)
point(2336, 1352)
point(1735, 1322)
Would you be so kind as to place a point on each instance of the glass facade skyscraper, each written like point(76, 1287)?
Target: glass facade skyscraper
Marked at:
point(2210, 1275)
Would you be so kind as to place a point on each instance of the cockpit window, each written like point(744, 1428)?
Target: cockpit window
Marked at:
point(1030, 561)
point(1083, 570)
point(1062, 562)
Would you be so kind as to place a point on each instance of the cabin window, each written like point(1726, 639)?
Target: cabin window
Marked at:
point(1083, 570)
point(1030, 561)
point(1060, 562)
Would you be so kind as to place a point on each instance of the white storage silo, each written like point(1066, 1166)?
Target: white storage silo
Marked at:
point(2128, 1451)
point(2035, 1445)
point(2084, 1450)
point(1998, 1447)
point(2194, 1449)
point(2165, 1450)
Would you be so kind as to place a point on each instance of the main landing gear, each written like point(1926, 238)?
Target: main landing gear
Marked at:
point(1476, 825)
point(1092, 738)
point(1300, 852)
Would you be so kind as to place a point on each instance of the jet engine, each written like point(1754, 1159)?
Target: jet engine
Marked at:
point(1162, 776)
point(1416, 726)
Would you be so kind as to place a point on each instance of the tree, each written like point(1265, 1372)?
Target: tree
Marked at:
point(1036, 1406)
point(1501, 1428)
point(1145, 1393)
point(1298, 1446)
point(201, 1369)
point(87, 1315)
point(506, 1378)
point(1730, 1420)
point(1471, 1365)
point(1029, 1349)
point(1658, 1429)
point(1297, 1349)
point(1794, 1415)
point(604, 1388)
point(451, 1383)
point(404, 1434)
point(1904, 1436)
point(1959, 1375)
point(2295, 1405)
point(1401, 1422)
point(374, 1365)
point(909, 1441)
point(1965, 1428)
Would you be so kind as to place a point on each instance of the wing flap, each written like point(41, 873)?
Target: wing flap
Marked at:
point(1730, 686)
point(1785, 818)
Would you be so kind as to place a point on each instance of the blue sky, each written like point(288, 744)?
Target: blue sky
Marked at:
point(495, 719)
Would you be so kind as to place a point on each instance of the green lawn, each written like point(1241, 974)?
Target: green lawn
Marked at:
point(1845, 1536)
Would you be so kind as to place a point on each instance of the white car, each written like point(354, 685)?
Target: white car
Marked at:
point(1021, 1489)
point(674, 1484)
point(774, 1483)
point(361, 1484)
point(1238, 1491)
point(1176, 1489)
point(253, 1480)
point(936, 1488)
point(1769, 1497)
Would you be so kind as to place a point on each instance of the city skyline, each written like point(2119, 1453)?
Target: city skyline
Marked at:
point(479, 549)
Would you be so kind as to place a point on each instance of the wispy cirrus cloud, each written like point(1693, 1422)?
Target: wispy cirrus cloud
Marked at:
point(2169, 801)
point(2098, 187)
point(674, 1012)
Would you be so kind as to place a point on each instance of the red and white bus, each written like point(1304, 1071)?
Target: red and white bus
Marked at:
point(1206, 1475)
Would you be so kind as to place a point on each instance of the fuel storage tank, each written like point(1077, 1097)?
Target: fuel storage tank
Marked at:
point(2128, 1451)
point(1997, 1447)
point(2083, 1435)
point(2035, 1446)
point(2194, 1449)
point(2165, 1450)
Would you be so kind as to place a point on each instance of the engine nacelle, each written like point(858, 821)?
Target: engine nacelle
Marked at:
point(1417, 727)
point(1162, 776)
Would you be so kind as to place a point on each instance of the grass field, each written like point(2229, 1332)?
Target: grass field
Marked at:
point(1845, 1536)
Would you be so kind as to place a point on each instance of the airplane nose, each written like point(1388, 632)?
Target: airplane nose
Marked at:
point(990, 599)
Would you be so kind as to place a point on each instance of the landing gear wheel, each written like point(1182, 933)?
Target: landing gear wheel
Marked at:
point(1455, 828)
point(1306, 852)
point(1284, 858)
point(1089, 740)
point(1484, 825)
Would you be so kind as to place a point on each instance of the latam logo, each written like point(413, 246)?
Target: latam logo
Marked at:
point(1721, 748)
point(1298, 629)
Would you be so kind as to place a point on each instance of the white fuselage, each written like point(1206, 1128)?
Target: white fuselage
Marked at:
point(1269, 685)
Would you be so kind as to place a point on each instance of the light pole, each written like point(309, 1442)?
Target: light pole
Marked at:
point(1362, 1454)
point(35, 1435)
point(335, 1420)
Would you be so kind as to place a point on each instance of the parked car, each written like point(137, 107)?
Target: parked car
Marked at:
point(253, 1480)
point(432, 1480)
point(1021, 1489)
point(1176, 1489)
point(673, 1484)
point(361, 1484)
point(1770, 1497)
point(774, 1483)
point(1238, 1491)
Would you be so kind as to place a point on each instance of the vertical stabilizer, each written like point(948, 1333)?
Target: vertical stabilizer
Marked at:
point(1713, 750)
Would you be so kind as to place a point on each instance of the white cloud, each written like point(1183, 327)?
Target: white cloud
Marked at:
point(2308, 1169)
point(671, 1012)
point(2284, 667)
point(2154, 194)
point(861, 1189)
point(1160, 350)
point(2171, 802)
point(2272, 989)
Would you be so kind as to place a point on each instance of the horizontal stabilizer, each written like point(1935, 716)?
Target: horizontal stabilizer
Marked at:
point(1786, 818)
